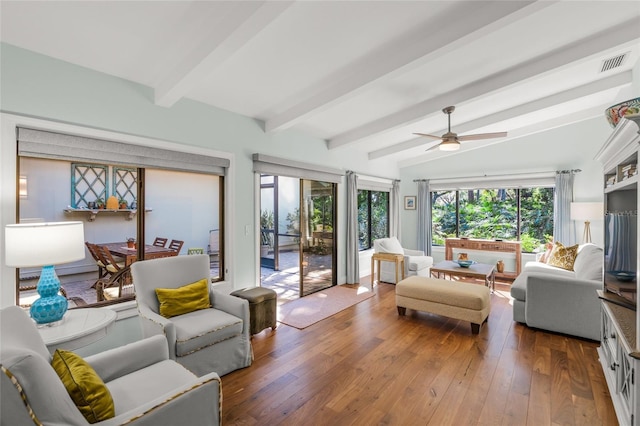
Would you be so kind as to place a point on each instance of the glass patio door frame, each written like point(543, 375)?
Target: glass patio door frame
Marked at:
point(303, 224)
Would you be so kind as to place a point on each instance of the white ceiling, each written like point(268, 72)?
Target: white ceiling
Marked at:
point(366, 74)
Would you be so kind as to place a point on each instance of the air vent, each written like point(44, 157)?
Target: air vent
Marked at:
point(611, 63)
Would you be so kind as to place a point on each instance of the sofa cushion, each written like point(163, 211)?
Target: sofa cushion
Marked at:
point(144, 385)
point(418, 263)
point(563, 257)
point(85, 387)
point(390, 245)
point(185, 299)
point(589, 263)
point(202, 328)
point(548, 269)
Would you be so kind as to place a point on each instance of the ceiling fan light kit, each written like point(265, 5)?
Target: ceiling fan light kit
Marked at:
point(451, 141)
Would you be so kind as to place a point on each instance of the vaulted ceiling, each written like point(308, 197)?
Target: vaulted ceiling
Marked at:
point(366, 74)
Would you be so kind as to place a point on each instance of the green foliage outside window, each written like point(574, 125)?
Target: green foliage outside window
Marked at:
point(493, 214)
point(373, 217)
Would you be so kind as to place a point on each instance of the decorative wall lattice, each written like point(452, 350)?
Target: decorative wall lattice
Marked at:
point(90, 184)
point(124, 184)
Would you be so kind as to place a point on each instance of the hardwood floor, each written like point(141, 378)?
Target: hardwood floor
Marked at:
point(366, 365)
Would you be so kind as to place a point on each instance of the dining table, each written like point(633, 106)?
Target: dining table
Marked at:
point(121, 249)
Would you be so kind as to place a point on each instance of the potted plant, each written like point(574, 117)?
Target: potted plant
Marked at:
point(100, 203)
point(123, 203)
point(266, 232)
point(131, 242)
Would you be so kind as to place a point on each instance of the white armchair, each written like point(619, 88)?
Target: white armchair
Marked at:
point(415, 261)
point(215, 339)
point(147, 388)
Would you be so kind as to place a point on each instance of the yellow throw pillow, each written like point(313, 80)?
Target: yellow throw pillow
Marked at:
point(185, 299)
point(85, 387)
point(563, 257)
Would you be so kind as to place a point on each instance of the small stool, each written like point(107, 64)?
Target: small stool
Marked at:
point(262, 307)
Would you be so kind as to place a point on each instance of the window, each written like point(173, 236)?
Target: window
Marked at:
point(509, 214)
point(373, 217)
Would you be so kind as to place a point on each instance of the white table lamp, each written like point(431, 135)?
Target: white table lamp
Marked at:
point(46, 245)
point(587, 212)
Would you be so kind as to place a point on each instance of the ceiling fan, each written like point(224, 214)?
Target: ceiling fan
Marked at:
point(451, 141)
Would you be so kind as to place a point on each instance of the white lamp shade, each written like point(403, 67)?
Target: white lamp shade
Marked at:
point(587, 211)
point(41, 244)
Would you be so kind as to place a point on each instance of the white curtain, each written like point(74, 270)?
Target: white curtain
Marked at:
point(394, 210)
point(424, 217)
point(353, 268)
point(563, 196)
point(621, 247)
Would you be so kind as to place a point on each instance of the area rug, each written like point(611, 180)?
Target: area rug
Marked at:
point(308, 310)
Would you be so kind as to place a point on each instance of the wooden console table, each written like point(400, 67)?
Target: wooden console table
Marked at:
point(486, 245)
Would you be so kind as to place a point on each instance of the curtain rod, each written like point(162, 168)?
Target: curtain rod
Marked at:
point(373, 176)
point(485, 176)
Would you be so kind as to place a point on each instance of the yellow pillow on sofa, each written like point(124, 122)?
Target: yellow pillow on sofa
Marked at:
point(185, 299)
point(85, 387)
point(563, 257)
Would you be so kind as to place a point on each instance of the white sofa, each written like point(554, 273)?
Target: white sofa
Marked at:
point(559, 300)
point(415, 261)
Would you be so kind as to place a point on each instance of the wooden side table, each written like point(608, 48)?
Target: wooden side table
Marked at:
point(79, 327)
point(398, 259)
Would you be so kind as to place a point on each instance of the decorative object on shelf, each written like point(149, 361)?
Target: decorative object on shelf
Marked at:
point(465, 263)
point(587, 212)
point(134, 205)
point(500, 266)
point(624, 276)
point(616, 112)
point(46, 245)
point(91, 205)
point(112, 203)
point(122, 203)
point(410, 202)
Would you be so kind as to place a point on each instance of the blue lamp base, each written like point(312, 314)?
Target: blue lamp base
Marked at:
point(51, 306)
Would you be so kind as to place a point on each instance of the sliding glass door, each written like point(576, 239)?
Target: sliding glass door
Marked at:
point(317, 230)
point(297, 226)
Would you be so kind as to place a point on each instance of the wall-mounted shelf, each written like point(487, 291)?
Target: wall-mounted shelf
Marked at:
point(93, 213)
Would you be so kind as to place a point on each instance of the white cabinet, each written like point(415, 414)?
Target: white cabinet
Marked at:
point(617, 363)
point(619, 353)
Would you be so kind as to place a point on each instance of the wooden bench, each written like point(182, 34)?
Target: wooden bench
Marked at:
point(463, 301)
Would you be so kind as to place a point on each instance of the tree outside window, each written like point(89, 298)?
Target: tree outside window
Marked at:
point(507, 214)
point(373, 217)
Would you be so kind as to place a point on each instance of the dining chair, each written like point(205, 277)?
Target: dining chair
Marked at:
point(111, 265)
point(176, 245)
point(102, 272)
point(118, 286)
point(160, 242)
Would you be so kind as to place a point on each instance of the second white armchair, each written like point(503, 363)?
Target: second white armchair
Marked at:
point(415, 261)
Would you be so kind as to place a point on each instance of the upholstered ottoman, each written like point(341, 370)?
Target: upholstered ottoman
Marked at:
point(262, 307)
point(463, 301)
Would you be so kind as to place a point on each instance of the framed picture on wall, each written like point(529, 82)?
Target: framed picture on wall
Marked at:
point(410, 202)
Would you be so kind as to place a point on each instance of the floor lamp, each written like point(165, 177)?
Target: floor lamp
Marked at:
point(587, 212)
point(45, 245)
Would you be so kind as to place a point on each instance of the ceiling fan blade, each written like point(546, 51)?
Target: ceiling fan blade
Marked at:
point(482, 136)
point(433, 148)
point(428, 136)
